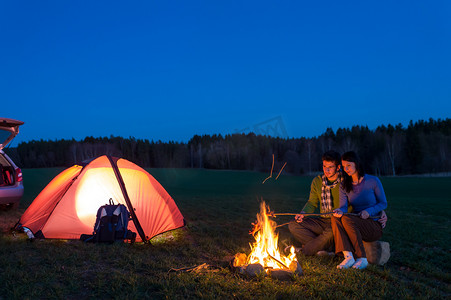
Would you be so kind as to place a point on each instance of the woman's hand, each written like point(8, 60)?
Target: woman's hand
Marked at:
point(383, 219)
point(338, 213)
point(364, 214)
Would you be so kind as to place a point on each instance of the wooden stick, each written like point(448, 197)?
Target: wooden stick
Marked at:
point(282, 224)
point(281, 170)
point(278, 261)
point(272, 167)
point(305, 214)
point(320, 214)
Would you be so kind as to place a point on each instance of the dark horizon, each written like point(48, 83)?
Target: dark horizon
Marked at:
point(422, 147)
point(277, 133)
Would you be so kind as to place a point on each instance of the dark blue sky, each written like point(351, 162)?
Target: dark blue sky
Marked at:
point(171, 69)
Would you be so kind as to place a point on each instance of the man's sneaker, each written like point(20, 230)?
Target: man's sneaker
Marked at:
point(287, 249)
point(325, 253)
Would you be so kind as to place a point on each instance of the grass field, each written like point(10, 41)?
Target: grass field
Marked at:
point(219, 207)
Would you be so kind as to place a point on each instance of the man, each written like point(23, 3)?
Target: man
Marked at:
point(315, 233)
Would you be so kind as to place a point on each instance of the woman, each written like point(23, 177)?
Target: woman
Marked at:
point(366, 195)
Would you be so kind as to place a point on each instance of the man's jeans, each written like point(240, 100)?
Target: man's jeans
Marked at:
point(314, 233)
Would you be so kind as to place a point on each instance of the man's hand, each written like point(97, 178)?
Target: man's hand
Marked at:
point(338, 213)
point(383, 219)
point(299, 217)
point(364, 214)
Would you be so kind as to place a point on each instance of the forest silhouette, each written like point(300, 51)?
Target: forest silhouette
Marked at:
point(421, 147)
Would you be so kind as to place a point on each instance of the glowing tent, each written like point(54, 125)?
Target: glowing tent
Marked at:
point(66, 208)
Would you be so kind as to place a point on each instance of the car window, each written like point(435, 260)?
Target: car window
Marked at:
point(3, 160)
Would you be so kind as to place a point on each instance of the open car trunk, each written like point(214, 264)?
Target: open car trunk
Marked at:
point(7, 172)
point(9, 128)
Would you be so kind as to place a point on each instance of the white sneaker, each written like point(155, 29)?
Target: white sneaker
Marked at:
point(360, 263)
point(346, 263)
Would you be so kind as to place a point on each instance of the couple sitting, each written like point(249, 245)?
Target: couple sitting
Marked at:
point(335, 192)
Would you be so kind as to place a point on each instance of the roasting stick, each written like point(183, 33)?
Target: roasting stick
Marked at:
point(282, 225)
point(317, 214)
point(271, 214)
point(313, 215)
point(305, 214)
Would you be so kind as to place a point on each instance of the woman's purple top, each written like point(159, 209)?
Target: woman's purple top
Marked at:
point(367, 195)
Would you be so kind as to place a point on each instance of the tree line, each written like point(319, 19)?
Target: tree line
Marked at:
point(421, 147)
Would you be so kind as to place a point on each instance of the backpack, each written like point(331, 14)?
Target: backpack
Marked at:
point(111, 224)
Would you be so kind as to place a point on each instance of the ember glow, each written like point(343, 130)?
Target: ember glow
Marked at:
point(265, 250)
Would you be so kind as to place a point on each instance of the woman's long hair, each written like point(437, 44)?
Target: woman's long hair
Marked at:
point(351, 156)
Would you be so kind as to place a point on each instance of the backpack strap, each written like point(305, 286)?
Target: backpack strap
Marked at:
point(102, 214)
point(117, 211)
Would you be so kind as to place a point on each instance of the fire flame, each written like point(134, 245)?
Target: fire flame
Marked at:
point(265, 250)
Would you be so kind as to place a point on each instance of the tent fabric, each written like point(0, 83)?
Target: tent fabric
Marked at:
point(66, 208)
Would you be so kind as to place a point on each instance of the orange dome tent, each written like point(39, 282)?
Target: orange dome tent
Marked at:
point(66, 208)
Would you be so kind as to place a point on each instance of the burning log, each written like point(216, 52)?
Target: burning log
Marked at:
point(239, 260)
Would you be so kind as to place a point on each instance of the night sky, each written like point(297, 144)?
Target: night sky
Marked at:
point(167, 70)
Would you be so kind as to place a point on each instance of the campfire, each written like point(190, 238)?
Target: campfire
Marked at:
point(265, 256)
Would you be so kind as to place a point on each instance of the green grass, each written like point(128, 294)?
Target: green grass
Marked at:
point(219, 207)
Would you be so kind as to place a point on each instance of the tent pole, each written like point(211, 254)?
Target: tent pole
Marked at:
point(127, 199)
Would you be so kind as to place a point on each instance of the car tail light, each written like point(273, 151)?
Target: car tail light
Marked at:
point(18, 175)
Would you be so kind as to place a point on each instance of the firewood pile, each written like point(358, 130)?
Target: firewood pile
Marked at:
point(239, 265)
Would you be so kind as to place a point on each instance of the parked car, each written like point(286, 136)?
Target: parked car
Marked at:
point(11, 181)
